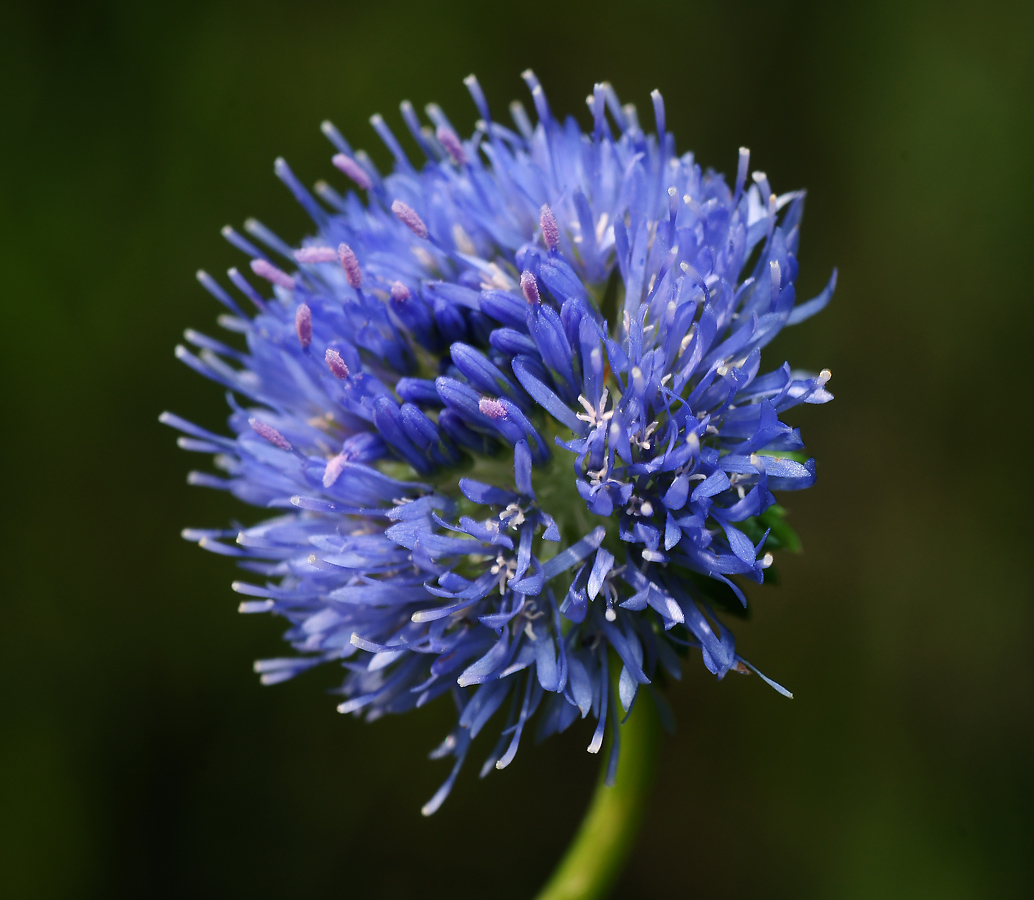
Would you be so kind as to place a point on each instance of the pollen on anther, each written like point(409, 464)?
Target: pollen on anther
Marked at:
point(408, 217)
point(530, 288)
point(303, 325)
point(315, 255)
point(492, 408)
point(271, 273)
point(550, 231)
point(351, 266)
point(269, 433)
point(336, 364)
point(399, 292)
point(353, 170)
point(452, 144)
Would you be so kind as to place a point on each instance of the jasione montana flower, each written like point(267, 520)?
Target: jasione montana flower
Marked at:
point(508, 409)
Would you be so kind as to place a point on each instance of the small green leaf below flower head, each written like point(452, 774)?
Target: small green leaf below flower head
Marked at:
point(782, 536)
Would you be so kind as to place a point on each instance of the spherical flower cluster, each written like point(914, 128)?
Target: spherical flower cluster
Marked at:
point(507, 405)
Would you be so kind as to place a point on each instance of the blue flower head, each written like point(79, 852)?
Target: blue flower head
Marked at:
point(507, 410)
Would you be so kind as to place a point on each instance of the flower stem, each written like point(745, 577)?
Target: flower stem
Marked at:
point(607, 833)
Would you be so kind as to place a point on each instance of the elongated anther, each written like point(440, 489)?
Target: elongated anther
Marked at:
point(315, 255)
point(351, 266)
point(272, 274)
point(550, 231)
point(408, 217)
point(353, 170)
point(269, 433)
point(303, 325)
point(335, 465)
point(530, 288)
point(452, 144)
point(336, 364)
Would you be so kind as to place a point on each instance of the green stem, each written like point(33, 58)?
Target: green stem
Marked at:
point(607, 833)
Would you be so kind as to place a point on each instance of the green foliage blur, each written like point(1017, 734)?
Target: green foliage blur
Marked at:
point(139, 757)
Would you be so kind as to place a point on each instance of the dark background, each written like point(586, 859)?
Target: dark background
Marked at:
point(139, 757)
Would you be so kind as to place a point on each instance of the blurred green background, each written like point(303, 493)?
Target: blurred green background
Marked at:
point(139, 757)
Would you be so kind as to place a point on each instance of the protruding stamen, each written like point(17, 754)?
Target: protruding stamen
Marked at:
point(658, 111)
point(550, 231)
point(351, 266)
point(389, 139)
point(521, 120)
point(530, 288)
point(538, 96)
point(408, 217)
point(353, 170)
point(336, 364)
point(315, 255)
point(240, 242)
point(452, 144)
point(824, 376)
point(303, 325)
point(399, 292)
point(269, 433)
point(492, 408)
point(335, 136)
point(271, 273)
point(478, 96)
point(610, 615)
point(741, 172)
point(597, 102)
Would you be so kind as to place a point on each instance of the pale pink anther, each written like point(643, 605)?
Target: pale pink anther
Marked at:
point(492, 408)
point(452, 144)
point(336, 364)
point(408, 217)
point(351, 265)
point(353, 170)
point(550, 231)
point(272, 274)
point(335, 466)
point(315, 255)
point(399, 292)
point(303, 325)
point(530, 288)
point(269, 433)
